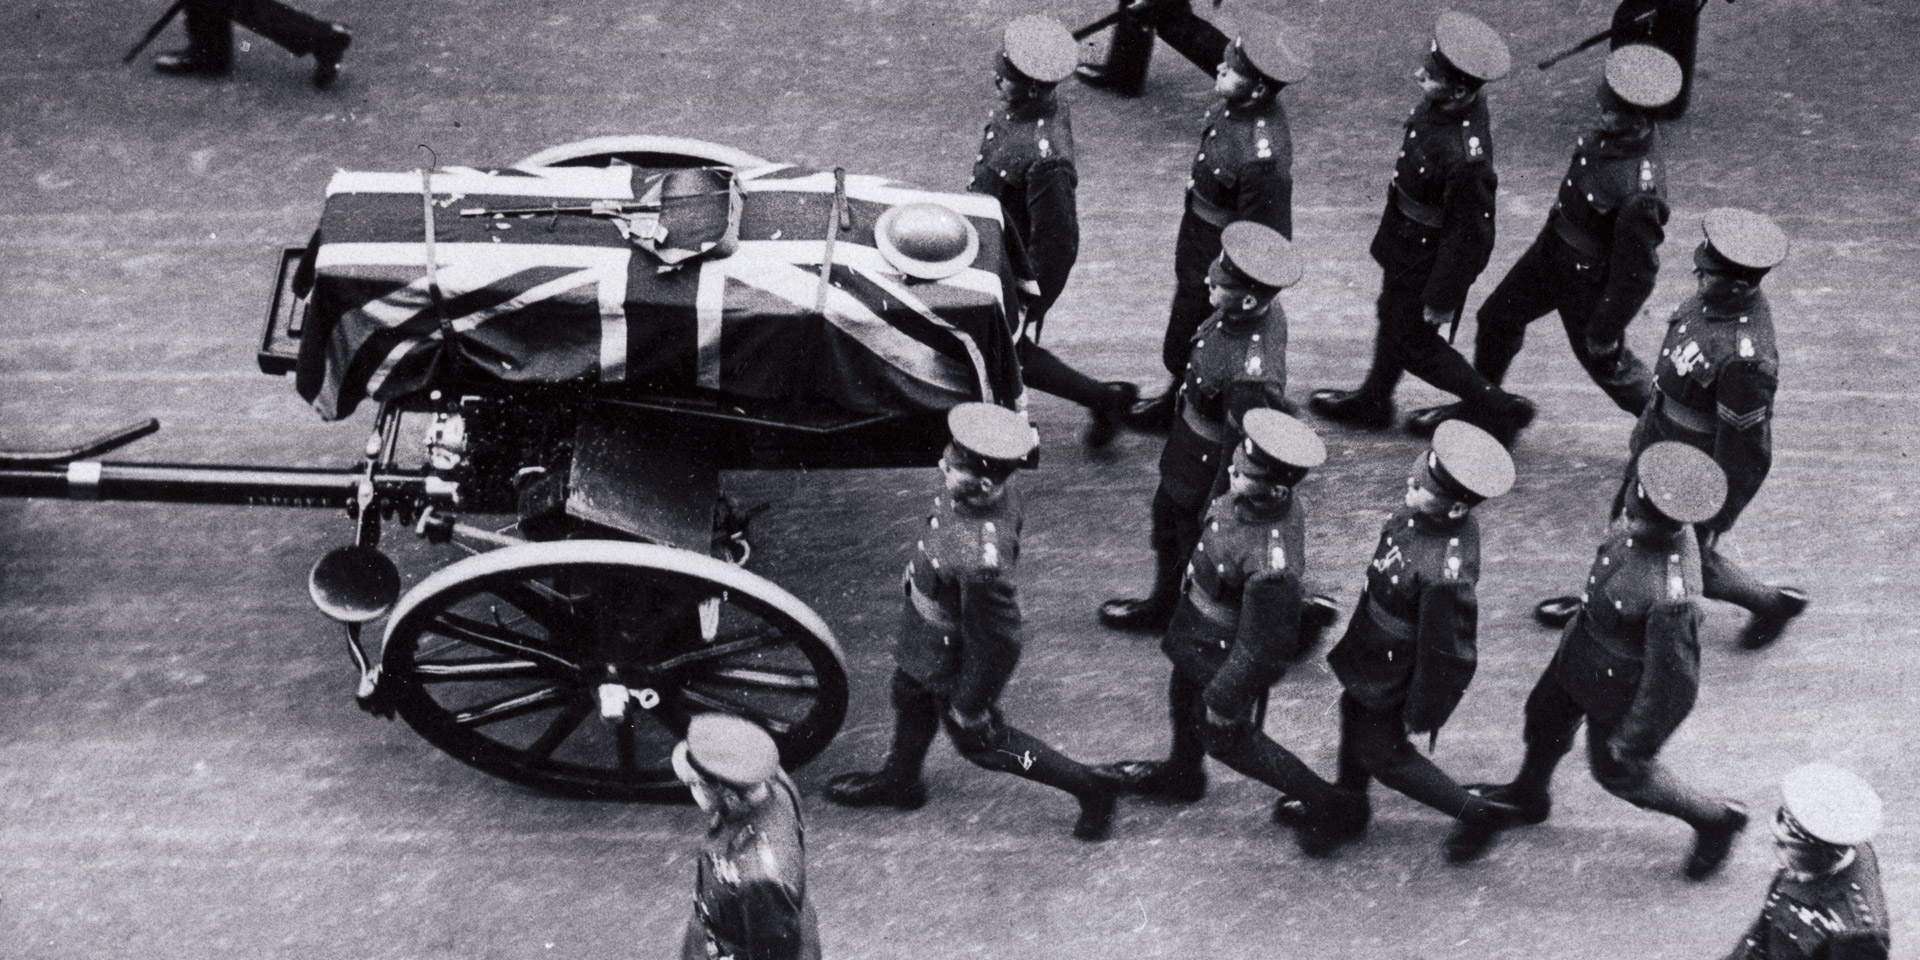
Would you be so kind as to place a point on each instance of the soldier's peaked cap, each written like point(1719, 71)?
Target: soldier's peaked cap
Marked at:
point(1041, 48)
point(727, 749)
point(1643, 76)
point(1682, 483)
point(1745, 238)
point(1257, 253)
point(1471, 47)
point(1831, 803)
point(1277, 441)
point(1471, 461)
point(1274, 50)
point(991, 432)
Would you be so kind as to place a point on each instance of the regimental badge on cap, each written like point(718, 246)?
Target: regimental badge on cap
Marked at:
point(728, 749)
point(1682, 483)
point(1470, 47)
point(1745, 238)
point(1281, 444)
point(1274, 50)
point(1258, 254)
point(926, 241)
point(1041, 48)
point(1831, 803)
point(1644, 76)
point(1469, 462)
point(991, 432)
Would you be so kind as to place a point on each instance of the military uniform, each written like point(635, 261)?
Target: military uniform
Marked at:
point(1124, 71)
point(1411, 645)
point(958, 642)
point(1236, 629)
point(210, 37)
point(1827, 901)
point(1629, 663)
point(1671, 25)
point(750, 889)
point(1595, 262)
point(1434, 239)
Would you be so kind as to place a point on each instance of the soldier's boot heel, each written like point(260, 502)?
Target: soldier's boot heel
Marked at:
point(1355, 408)
point(1321, 833)
point(1764, 628)
point(1422, 422)
point(1138, 613)
point(1714, 842)
point(1096, 812)
point(1107, 419)
point(1529, 807)
point(326, 58)
point(875, 789)
point(1473, 835)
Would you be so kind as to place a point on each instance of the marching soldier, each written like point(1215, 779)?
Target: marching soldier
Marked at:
point(960, 633)
point(1242, 171)
point(1713, 389)
point(750, 887)
point(1671, 25)
point(1409, 650)
point(1026, 162)
point(1629, 664)
point(1826, 901)
point(209, 50)
point(1125, 69)
point(1596, 259)
point(1435, 237)
point(1239, 363)
point(1237, 629)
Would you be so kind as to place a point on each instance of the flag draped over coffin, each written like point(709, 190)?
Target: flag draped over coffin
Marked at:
point(550, 299)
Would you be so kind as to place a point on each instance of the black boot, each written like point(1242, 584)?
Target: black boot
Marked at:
point(326, 57)
point(1154, 414)
point(1096, 813)
point(1320, 834)
point(1474, 833)
point(1765, 628)
point(1528, 806)
point(1556, 611)
point(1713, 842)
point(1168, 780)
point(193, 63)
point(1423, 421)
point(1504, 417)
point(1355, 408)
point(875, 789)
point(1113, 412)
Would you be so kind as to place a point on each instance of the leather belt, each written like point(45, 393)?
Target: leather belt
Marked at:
point(1424, 214)
point(1685, 417)
point(1392, 624)
point(1580, 240)
point(1202, 427)
point(1206, 210)
point(928, 608)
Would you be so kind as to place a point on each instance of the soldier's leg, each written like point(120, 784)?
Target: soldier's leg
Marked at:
point(1174, 532)
point(1552, 721)
point(1194, 251)
point(1195, 38)
point(298, 32)
point(1524, 295)
point(1370, 404)
point(1129, 54)
point(209, 26)
point(1771, 608)
point(1109, 402)
point(1624, 377)
point(1647, 783)
point(1379, 745)
point(1182, 775)
point(916, 720)
point(1004, 748)
point(1248, 750)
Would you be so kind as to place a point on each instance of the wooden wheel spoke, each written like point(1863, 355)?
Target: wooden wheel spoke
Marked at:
point(764, 678)
point(624, 746)
point(726, 645)
point(562, 726)
point(546, 606)
point(773, 724)
point(490, 668)
point(499, 641)
point(508, 707)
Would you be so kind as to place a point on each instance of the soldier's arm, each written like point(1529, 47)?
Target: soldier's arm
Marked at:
point(770, 917)
point(1266, 196)
point(1742, 440)
point(1466, 236)
point(1266, 641)
point(1638, 231)
point(1860, 945)
point(1669, 679)
point(1051, 208)
point(990, 626)
point(1445, 653)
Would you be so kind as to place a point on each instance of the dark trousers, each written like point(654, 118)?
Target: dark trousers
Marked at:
point(1552, 719)
point(1174, 532)
point(210, 27)
point(918, 715)
point(1175, 22)
point(1405, 342)
point(1047, 373)
point(1374, 746)
point(1545, 279)
point(1244, 747)
point(1194, 250)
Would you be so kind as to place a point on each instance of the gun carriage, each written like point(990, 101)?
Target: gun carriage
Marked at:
point(563, 357)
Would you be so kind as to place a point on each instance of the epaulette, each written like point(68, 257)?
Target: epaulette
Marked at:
point(1276, 551)
point(1452, 569)
point(1647, 183)
point(1676, 580)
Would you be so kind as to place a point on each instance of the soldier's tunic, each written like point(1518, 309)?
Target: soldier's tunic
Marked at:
point(750, 891)
point(1408, 654)
point(1714, 383)
point(958, 644)
point(1026, 161)
point(1595, 262)
point(1243, 170)
point(1238, 363)
point(1629, 663)
point(1842, 916)
point(1434, 239)
point(1234, 632)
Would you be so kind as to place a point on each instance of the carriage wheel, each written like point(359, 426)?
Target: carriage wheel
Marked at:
point(643, 150)
point(499, 659)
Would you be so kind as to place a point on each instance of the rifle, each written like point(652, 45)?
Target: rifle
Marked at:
point(1603, 35)
point(154, 31)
